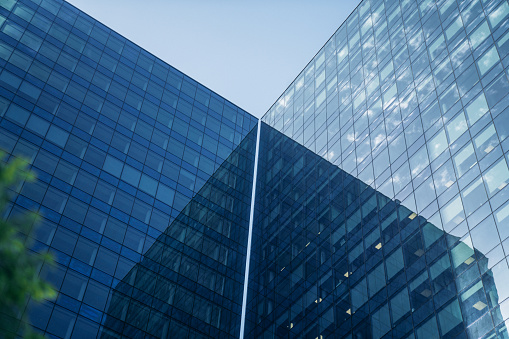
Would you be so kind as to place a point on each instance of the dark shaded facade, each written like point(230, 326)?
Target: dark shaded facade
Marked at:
point(332, 257)
point(193, 274)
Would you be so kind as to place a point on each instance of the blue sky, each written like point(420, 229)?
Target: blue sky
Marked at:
point(246, 51)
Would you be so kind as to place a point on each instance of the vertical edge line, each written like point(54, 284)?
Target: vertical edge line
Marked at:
point(250, 234)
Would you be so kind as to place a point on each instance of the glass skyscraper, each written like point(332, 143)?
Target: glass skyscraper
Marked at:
point(370, 201)
point(144, 179)
point(411, 98)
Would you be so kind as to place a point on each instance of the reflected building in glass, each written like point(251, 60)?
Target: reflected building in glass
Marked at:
point(370, 201)
point(193, 272)
point(334, 258)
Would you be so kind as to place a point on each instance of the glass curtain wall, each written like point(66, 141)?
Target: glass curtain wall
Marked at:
point(332, 257)
point(120, 142)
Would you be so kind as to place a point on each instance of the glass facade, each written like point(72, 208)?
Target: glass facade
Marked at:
point(193, 274)
point(410, 97)
point(123, 145)
point(334, 258)
point(381, 205)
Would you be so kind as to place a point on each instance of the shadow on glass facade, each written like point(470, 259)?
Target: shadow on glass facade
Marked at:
point(193, 274)
point(332, 257)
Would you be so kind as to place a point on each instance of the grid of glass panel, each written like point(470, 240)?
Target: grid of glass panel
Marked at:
point(120, 142)
point(334, 258)
point(411, 97)
point(189, 283)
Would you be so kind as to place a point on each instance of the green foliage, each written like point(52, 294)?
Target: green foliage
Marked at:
point(19, 267)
